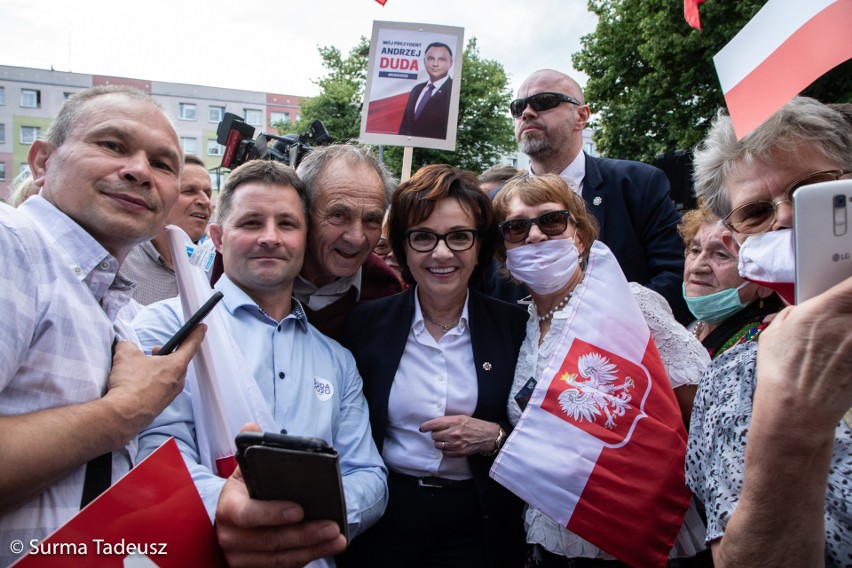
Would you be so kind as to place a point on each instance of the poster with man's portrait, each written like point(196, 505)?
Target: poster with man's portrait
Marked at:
point(413, 85)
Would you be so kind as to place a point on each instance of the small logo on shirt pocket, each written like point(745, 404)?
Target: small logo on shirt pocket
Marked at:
point(323, 389)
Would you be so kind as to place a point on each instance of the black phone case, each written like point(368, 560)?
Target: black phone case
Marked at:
point(305, 474)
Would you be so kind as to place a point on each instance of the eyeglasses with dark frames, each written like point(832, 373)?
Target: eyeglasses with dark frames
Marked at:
point(382, 248)
point(552, 223)
point(539, 102)
point(757, 217)
point(423, 240)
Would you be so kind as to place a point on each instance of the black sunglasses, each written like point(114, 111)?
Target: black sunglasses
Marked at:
point(540, 102)
point(551, 224)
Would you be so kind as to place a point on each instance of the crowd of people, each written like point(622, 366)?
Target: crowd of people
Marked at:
point(410, 325)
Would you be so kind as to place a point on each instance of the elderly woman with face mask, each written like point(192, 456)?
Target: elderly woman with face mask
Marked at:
point(770, 452)
point(728, 309)
point(547, 236)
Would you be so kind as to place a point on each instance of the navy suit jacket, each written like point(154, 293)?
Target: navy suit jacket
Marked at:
point(377, 332)
point(432, 122)
point(638, 220)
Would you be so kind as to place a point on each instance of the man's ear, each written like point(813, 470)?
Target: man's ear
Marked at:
point(215, 231)
point(583, 115)
point(40, 151)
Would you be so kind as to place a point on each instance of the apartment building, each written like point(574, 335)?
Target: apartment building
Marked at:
point(30, 99)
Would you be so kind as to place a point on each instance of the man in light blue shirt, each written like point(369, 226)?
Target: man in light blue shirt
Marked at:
point(310, 382)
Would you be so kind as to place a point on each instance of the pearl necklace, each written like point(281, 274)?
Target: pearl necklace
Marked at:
point(555, 309)
point(444, 328)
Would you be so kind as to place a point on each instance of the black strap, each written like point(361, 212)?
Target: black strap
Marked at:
point(98, 478)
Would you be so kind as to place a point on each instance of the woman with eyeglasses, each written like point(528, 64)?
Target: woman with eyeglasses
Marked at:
point(437, 363)
point(547, 234)
point(770, 450)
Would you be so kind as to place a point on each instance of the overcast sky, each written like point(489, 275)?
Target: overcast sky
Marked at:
point(270, 45)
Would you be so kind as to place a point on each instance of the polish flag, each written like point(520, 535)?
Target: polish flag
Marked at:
point(153, 516)
point(225, 395)
point(783, 49)
point(690, 12)
point(601, 445)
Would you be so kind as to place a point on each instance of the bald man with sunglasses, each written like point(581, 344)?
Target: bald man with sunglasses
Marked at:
point(630, 200)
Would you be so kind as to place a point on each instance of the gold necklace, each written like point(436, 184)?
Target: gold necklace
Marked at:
point(444, 328)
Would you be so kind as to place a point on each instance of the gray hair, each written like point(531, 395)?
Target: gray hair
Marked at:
point(802, 121)
point(265, 172)
point(315, 163)
point(74, 106)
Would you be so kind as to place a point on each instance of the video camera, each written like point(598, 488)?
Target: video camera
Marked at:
point(236, 136)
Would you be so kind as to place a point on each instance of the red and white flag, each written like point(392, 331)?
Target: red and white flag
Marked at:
point(783, 49)
point(601, 445)
point(690, 12)
point(225, 396)
point(153, 516)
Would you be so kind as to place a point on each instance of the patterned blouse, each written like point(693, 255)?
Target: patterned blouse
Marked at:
point(715, 456)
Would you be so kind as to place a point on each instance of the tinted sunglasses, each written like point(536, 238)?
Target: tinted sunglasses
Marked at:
point(539, 102)
point(552, 223)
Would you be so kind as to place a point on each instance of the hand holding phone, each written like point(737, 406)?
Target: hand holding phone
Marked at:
point(190, 324)
point(292, 468)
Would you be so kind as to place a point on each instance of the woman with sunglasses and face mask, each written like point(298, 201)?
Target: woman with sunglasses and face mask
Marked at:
point(728, 309)
point(547, 235)
point(437, 363)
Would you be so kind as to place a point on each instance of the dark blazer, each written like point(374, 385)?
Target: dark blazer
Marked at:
point(432, 122)
point(376, 333)
point(632, 203)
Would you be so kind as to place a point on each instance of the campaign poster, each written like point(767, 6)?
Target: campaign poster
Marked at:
point(413, 85)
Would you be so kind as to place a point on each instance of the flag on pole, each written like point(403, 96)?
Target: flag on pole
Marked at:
point(225, 396)
point(783, 49)
point(153, 516)
point(382, 2)
point(690, 12)
point(601, 445)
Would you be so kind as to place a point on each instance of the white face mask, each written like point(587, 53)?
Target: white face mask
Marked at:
point(544, 267)
point(769, 259)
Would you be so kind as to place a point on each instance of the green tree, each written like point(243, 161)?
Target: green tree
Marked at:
point(652, 84)
point(484, 129)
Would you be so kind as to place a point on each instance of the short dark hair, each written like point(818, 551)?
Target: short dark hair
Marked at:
point(415, 201)
point(437, 44)
point(192, 159)
point(267, 172)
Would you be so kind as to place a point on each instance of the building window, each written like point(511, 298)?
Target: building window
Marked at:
point(66, 95)
point(276, 117)
point(253, 116)
point(187, 111)
point(30, 134)
point(2, 170)
point(2, 96)
point(217, 113)
point(189, 145)
point(2, 133)
point(214, 148)
point(30, 98)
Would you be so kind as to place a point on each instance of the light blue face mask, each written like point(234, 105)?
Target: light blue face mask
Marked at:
point(717, 306)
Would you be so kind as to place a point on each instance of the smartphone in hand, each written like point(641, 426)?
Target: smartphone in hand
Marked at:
point(292, 468)
point(823, 233)
point(184, 331)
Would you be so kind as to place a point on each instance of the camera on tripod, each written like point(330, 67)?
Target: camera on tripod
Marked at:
point(236, 136)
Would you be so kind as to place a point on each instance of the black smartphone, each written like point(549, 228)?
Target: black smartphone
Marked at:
point(294, 468)
point(522, 397)
point(190, 324)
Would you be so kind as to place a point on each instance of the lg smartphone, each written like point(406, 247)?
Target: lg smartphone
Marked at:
point(292, 468)
point(823, 236)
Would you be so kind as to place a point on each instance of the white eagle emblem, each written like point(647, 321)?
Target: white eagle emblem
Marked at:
point(599, 393)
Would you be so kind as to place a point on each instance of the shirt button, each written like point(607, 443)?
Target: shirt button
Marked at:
point(77, 270)
point(281, 374)
point(440, 378)
point(279, 328)
point(105, 265)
